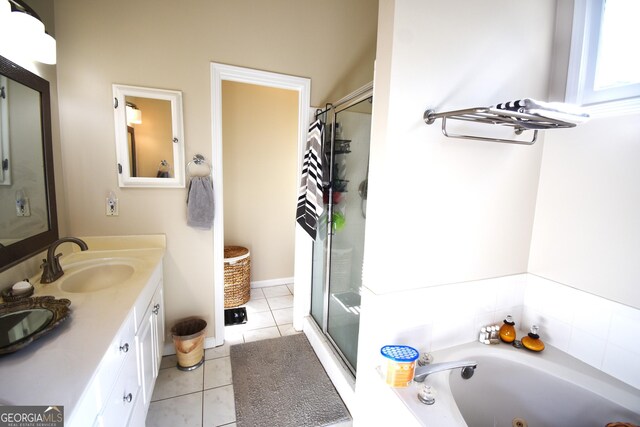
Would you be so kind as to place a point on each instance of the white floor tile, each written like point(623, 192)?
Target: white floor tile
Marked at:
point(280, 302)
point(169, 361)
point(256, 306)
point(233, 333)
point(283, 316)
point(261, 334)
point(173, 382)
point(256, 293)
point(217, 372)
point(223, 350)
point(276, 291)
point(219, 407)
point(287, 330)
point(258, 321)
point(184, 411)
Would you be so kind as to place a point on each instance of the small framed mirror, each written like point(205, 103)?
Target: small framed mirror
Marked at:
point(149, 137)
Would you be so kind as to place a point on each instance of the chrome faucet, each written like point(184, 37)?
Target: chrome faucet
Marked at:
point(51, 268)
point(468, 368)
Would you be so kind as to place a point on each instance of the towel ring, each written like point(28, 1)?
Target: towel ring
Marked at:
point(198, 160)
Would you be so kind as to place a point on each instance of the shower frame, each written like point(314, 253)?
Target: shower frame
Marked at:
point(342, 104)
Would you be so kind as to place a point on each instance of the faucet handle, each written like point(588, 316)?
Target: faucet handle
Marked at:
point(425, 359)
point(44, 264)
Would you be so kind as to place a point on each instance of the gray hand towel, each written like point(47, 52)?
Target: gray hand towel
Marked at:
point(200, 203)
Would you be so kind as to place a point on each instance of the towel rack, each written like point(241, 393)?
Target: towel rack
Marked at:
point(198, 160)
point(490, 115)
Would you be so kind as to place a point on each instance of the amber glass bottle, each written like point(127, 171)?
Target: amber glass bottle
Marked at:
point(532, 340)
point(508, 330)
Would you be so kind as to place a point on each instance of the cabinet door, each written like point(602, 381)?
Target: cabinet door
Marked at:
point(146, 350)
point(158, 323)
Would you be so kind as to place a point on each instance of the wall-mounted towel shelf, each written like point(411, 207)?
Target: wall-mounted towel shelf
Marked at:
point(491, 115)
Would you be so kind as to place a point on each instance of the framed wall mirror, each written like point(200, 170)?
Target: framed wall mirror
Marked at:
point(28, 216)
point(149, 137)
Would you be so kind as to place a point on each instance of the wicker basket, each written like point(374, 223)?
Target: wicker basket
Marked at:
point(237, 276)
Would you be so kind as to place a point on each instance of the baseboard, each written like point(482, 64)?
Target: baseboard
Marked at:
point(272, 282)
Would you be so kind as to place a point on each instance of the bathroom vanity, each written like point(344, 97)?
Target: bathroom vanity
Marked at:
point(101, 363)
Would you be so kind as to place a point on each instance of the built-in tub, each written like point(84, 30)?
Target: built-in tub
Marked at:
point(510, 385)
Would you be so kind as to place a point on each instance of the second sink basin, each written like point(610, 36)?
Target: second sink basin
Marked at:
point(96, 276)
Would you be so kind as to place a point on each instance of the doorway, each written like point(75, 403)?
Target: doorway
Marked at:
point(221, 76)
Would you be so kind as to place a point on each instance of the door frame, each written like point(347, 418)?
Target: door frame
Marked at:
point(303, 246)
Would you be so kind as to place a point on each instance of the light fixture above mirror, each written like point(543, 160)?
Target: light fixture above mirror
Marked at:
point(150, 152)
point(22, 33)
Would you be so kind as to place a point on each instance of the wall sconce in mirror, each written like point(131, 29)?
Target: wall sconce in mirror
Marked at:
point(150, 152)
point(134, 115)
point(22, 33)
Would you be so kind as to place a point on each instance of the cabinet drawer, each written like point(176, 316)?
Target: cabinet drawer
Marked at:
point(120, 349)
point(124, 395)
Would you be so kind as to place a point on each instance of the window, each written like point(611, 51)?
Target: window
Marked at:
point(604, 65)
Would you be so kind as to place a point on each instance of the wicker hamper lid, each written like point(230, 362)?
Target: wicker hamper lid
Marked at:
point(235, 253)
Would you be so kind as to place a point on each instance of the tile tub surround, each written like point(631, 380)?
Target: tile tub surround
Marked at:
point(600, 332)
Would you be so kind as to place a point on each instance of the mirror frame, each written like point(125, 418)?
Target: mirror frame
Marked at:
point(13, 254)
point(122, 146)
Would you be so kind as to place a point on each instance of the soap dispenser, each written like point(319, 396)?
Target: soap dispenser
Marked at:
point(532, 340)
point(507, 330)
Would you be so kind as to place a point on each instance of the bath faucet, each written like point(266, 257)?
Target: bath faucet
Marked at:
point(422, 372)
point(51, 269)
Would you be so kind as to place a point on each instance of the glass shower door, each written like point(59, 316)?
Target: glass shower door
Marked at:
point(348, 218)
point(339, 244)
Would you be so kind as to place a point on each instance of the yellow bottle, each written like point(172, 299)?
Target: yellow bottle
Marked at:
point(507, 330)
point(532, 340)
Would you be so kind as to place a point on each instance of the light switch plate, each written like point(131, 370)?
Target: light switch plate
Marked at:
point(112, 206)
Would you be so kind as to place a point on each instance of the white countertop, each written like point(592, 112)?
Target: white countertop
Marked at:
point(56, 368)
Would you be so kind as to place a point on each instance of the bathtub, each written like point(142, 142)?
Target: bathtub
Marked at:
point(516, 387)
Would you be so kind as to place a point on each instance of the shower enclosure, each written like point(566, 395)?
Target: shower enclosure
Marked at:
point(338, 248)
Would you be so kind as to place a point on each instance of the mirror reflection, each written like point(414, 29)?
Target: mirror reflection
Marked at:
point(26, 185)
point(149, 140)
point(17, 326)
point(150, 137)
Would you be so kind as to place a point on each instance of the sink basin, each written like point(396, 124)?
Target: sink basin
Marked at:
point(96, 276)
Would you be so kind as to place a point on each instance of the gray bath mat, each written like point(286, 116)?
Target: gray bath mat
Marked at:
point(280, 382)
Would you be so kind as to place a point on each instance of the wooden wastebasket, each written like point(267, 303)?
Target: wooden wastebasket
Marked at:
point(237, 276)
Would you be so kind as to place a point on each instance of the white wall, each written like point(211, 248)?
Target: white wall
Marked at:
point(449, 210)
point(587, 224)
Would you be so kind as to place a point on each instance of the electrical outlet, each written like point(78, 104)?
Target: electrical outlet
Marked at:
point(22, 207)
point(112, 206)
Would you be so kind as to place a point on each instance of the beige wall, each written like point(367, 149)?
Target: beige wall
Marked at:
point(158, 43)
point(260, 147)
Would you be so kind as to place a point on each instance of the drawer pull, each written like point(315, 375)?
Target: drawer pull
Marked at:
point(128, 398)
point(156, 309)
point(124, 348)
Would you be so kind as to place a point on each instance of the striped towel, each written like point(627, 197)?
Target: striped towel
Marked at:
point(310, 206)
point(551, 110)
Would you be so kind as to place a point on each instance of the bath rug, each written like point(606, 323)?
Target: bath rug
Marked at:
point(280, 382)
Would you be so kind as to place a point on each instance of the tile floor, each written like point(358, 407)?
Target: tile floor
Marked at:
point(204, 397)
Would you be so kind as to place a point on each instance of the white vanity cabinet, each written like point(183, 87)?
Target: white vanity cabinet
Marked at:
point(120, 391)
point(150, 340)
